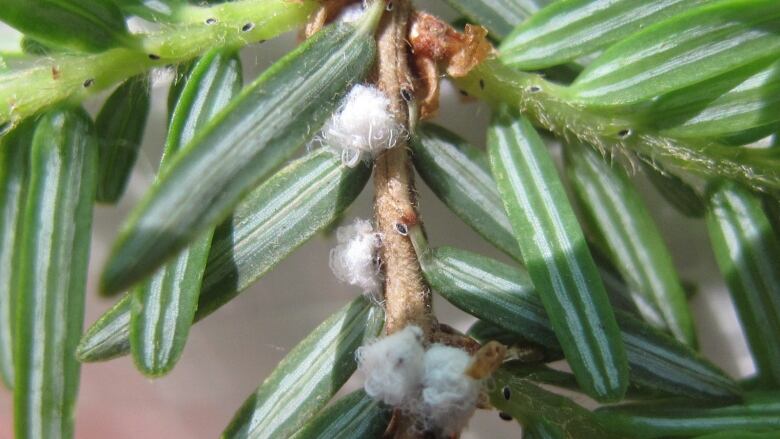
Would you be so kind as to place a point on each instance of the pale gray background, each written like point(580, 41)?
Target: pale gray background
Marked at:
point(231, 352)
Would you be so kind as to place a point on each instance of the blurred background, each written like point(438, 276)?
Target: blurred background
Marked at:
point(230, 353)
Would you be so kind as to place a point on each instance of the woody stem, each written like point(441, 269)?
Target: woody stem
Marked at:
point(407, 298)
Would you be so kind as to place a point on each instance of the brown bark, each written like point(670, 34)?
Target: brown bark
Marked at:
point(407, 298)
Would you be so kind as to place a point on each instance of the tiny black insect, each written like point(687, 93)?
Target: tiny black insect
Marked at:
point(154, 57)
point(247, 27)
point(624, 133)
point(211, 20)
point(534, 89)
point(88, 83)
point(401, 229)
point(505, 416)
point(507, 393)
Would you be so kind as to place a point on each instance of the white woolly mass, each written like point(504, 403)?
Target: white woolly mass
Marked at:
point(351, 13)
point(449, 396)
point(362, 127)
point(431, 385)
point(354, 260)
point(393, 366)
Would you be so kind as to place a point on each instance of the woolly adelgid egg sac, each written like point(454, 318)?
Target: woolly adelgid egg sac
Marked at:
point(393, 367)
point(354, 260)
point(448, 397)
point(363, 126)
point(432, 384)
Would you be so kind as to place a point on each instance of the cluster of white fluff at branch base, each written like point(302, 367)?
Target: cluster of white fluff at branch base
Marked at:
point(431, 385)
point(449, 396)
point(393, 366)
point(355, 259)
point(362, 127)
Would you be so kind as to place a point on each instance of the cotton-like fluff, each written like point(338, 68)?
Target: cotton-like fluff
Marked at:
point(351, 13)
point(393, 367)
point(449, 396)
point(354, 260)
point(362, 127)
